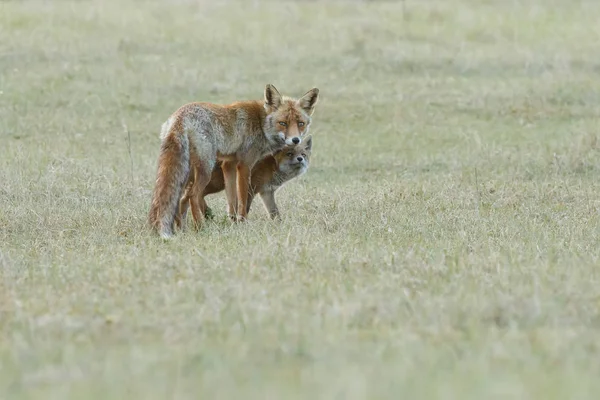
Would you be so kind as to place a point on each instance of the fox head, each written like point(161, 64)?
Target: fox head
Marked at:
point(288, 119)
point(294, 159)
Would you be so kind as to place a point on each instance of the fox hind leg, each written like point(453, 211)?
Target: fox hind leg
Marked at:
point(184, 205)
point(202, 174)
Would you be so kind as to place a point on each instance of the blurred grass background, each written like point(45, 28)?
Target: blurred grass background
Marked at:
point(443, 244)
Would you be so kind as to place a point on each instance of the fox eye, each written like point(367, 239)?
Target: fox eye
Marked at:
point(282, 123)
point(300, 123)
point(290, 154)
point(304, 155)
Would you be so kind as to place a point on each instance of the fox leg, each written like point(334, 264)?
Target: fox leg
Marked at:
point(201, 204)
point(197, 214)
point(183, 209)
point(183, 205)
point(206, 210)
point(202, 178)
point(229, 176)
point(268, 199)
point(182, 214)
point(243, 186)
point(249, 201)
point(178, 219)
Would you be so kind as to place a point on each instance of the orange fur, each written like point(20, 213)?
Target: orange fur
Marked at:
point(267, 176)
point(198, 135)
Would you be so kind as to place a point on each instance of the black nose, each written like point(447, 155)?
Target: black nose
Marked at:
point(295, 140)
point(300, 159)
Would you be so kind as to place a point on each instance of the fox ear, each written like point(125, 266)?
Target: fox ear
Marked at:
point(308, 143)
point(309, 100)
point(272, 98)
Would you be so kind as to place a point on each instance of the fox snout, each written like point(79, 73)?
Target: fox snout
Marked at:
point(289, 140)
point(293, 140)
point(298, 161)
point(293, 135)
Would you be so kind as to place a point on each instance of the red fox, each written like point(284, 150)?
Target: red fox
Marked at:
point(239, 134)
point(266, 177)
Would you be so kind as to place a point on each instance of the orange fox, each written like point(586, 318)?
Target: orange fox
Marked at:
point(266, 177)
point(239, 134)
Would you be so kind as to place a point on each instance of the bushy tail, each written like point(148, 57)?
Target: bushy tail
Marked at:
point(173, 172)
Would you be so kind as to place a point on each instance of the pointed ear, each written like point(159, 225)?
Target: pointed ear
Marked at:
point(272, 98)
point(308, 143)
point(309, 100)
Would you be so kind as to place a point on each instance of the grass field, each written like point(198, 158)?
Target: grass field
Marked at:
point(444, 243)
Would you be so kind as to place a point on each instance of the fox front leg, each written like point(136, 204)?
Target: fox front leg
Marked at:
point(268, 199)
point(230, 178)
point(243, 186)
point(249, 201)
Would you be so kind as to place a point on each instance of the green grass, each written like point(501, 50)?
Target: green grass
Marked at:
point(444, 243)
